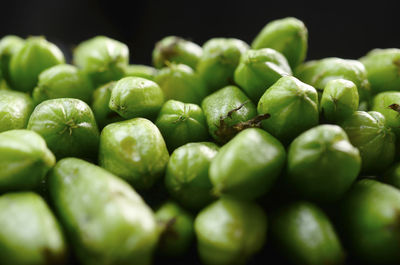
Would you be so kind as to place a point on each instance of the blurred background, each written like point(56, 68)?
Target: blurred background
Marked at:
point(336, 28)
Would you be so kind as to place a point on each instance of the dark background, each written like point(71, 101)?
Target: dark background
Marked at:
point(336, 28)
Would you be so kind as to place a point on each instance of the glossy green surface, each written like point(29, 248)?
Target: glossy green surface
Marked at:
point(173, 49)
point(217, 106)
point(368, 131)
point(106, 221)
point(248, 165)
point(62, 81)
point(29, 234)
point(134, 97)
point(9, 45)
point(186, 178)
point(293, 106)
point(177, 232)
point(381, 103)
point(180, 82)
point(339, 100)
point(230, 231)
point(139, 70)
point(15, 109)
point(369, 218)
point(25, 160)
point(103, 59)
point(181, 123)
point(305, 235)
point(36, 55)
point(288, 36)
point(134, 150)
point(68, 126)
point(219, 60)
point(322, 163)
point(260, 69)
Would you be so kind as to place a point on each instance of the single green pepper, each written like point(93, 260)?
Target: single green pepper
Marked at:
point(322, 163)
point(106, 221)
point(369, 222)
point(219, 60)
point(304, 235)
point(9, 45)
point(102, 59)
point(180, 82)
point(186, 178)
point(29, 234)
point(230, 231)
point(181, 123)
point(25, 160)
point(36, 55)
point(288, 36)
point(383, 68)
point(134, 150)
point(225, 111)
point(369, 133)
point(260, 69)
point(293, 106)
point(62, 81)
point(133, 97)
point(388, 104)
point(248, 165)
point(101, 99)
point(339, 100)
point(177, 232)
point(15, 109)
point(139, 70)
point(174, 49)
point(319, 73)
point(68, 126)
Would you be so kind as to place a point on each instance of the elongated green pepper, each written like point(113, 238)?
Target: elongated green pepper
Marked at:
point(248, 165)
point(106, 221)
point(134, 150)
point(15, 109)
point(30, 233)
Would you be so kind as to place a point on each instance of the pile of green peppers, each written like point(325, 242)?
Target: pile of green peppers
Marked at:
point(219, 154)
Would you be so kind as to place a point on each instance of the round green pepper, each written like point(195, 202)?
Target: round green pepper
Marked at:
point(25, 160)
point(288, 36)
point(322, 163)
point(101, 99)
point(369, 133)
point(226, 110)
point(9, 45)
point(139, 70)
point(181, 123)
point(293, 106)
point(388, 104)
point(133, 97)
point(102, 59)
point(260, 69)
point(219, 60)
point(68, 126)
point(383, 68)
point(230, 231)
point(180, 82)
point(186, 178)
point(319, 73)
point(177, 232)
point(248, 165)
point(369, 222)
point(339, 100)
point(106, 221)
point(305, 236)
point(62, 81)
point(176, 50)
point(36, 55)
point(134, 150)
point(15, 109)
point(30, 233)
